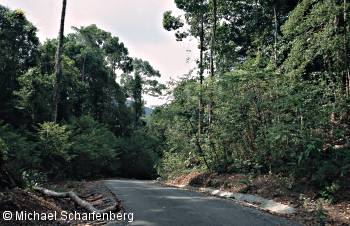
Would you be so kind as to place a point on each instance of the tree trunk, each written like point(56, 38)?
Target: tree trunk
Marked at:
point(346, 33)
point(275, 34)
point(137, 95)
point(58, 64)
point(212, 67)
point(74, 197)
point(212, 75)
point(79, 107)
point(199, 148)
point(201, 77)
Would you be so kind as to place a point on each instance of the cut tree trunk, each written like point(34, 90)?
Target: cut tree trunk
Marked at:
point(74, 197)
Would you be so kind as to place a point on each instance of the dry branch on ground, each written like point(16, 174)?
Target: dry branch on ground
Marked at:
point(74, 197)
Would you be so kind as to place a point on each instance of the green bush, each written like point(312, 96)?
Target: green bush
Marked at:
point(17, 151)
point(139, 157)
point(33, 178)
point(172, 165)
point(94, 149)
point(34, 97)
point(264, 122)
point(53, 145)
point(3, 152)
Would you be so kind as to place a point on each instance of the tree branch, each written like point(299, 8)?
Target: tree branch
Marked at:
point(73, 196)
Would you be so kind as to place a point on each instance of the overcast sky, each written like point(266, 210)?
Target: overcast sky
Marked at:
point(138, 23)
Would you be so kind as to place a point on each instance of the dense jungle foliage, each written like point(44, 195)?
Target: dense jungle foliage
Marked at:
point(277, 95)
point(97, 118)
point(270, 94)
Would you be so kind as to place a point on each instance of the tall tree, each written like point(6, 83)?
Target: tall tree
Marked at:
point(18, 52)
point(137, 97)
point(201, 72)
point(275, 34)
point(196, 15)
point(213, 37)
point(212, 53)
point(346, 41)
point(58, 64)
point(142, 80)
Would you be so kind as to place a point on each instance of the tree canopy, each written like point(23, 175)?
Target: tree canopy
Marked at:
point(269, 95)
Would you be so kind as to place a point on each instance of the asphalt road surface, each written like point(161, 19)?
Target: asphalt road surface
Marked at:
point(154, 205)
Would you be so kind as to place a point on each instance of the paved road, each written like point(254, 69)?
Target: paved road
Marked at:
point(155, 205)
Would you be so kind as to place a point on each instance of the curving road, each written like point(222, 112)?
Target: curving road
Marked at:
point(155, 205)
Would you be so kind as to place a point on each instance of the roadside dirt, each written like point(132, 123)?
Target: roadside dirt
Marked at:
point(21, 200)
point(311, 209)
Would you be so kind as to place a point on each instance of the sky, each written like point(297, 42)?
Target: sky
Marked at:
point(138, 23)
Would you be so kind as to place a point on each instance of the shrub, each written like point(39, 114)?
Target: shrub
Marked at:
point(53, 145)
point(172, 165)
point(3, 152)
point(139, 156)
point(17, 151)
point(33, 178)
point(94, 151)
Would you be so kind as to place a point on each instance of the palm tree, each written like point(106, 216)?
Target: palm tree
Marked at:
point(58, 66)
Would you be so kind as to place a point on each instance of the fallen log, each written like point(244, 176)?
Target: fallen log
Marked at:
point(74, 197)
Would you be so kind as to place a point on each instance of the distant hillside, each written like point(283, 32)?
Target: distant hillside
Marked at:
point(147, 110)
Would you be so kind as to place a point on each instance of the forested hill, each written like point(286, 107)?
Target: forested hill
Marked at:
point(270, 95)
